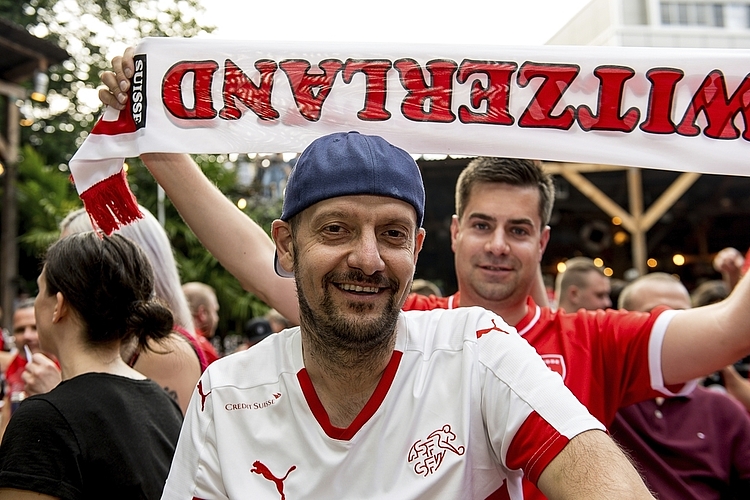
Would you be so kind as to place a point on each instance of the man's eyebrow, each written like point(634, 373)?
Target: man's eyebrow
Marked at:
point(489, 218)
point(481, 216)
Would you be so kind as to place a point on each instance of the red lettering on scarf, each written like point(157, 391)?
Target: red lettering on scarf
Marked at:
point(719, 110)
point(611, 85)
point(171, 91)
point(556, 78)
point(375, 71)
point(496, 95)
point(660, 100)
point(427, 102)
point(310, 90)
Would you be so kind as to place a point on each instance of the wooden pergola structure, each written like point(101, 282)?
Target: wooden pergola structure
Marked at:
point(22, 56)
point(634, 219)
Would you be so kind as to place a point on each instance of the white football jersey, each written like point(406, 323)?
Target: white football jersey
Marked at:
point(463, 406)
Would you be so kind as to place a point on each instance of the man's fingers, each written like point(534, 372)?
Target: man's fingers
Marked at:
point(112, 95)
point(109, 100)
point(128, 67)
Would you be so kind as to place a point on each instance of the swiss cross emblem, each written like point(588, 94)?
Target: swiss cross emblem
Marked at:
point(428, 454)
point(556, 363)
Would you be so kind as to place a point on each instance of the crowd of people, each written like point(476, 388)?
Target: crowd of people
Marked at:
point(362, 382)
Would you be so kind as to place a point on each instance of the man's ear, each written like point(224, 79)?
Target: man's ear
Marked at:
point(282, 237)
point(543, 240)
point(573, 294)
point(201, 313)
point(455, 223)
point(421, 233)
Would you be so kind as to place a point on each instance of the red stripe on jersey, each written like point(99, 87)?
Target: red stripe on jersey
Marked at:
point(368, 411)
point(534, 446)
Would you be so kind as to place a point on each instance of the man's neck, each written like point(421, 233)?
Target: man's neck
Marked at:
point(512, 311)
point(344, 382)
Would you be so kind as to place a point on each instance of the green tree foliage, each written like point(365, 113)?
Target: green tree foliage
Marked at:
point(194, 261)
point(92, 32)
point(44, 195)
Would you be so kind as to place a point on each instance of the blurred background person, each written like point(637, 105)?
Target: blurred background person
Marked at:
point(693, 447)
point(105, 431)
point(12, 363)
point(425, 287)
point(732, 265)
point(176, 363)
point(254, 331)
point(582, 285)
point(204, 306)
point(615, 288)
point(277, 321)
point(709, 292)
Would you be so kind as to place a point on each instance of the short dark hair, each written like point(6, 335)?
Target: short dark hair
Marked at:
point(709, 292)
point(109, 282)
point(576, 271)
point(512, 171)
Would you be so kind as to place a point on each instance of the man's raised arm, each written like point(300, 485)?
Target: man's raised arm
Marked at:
point(705, 339)
point(237, 242)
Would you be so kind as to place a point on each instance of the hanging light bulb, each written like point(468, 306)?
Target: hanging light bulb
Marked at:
point(41, 85)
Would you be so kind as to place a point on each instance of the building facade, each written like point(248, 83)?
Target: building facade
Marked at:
point(659, 23)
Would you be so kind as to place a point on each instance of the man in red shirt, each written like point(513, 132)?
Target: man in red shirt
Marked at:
point(22, 378)
point(204, 306)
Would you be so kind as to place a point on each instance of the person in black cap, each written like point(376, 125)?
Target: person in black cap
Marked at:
point(365, 400)
point(255, 330)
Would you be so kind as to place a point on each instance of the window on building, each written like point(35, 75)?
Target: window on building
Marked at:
point(692, 14)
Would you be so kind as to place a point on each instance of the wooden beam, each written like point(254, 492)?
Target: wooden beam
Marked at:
point(668, 199)
point(601, 200)
point(638, 243)
point(557, 168)
point(12, 90)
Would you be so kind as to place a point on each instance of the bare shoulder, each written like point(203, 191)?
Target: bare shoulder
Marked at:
point(174, 365)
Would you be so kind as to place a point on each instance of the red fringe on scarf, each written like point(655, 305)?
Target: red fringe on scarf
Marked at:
point(110, 204)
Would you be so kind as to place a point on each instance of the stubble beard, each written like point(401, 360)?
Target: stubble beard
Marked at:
point(494, 291)
point(344, 338)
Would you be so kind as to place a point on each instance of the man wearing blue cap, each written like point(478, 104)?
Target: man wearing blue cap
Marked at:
point(363, 400)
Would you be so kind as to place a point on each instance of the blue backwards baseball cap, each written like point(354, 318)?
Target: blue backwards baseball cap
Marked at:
point(350, 163)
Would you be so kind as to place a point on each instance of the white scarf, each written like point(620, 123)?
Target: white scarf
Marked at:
point(676, 109)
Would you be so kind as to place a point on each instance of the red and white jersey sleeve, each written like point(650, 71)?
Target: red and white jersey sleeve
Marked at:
point(608, 359)
point(464, 405)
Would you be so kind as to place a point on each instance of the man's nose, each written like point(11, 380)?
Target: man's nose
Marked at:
point(498, 243)
point(365, 254)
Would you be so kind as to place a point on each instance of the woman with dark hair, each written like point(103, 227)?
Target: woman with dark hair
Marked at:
point(105, 431)
point(177, 363)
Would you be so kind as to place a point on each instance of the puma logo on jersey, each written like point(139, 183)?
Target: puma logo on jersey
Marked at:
point(428, 454)
point(203, 396)
point(488, 330)
point(261, 469)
